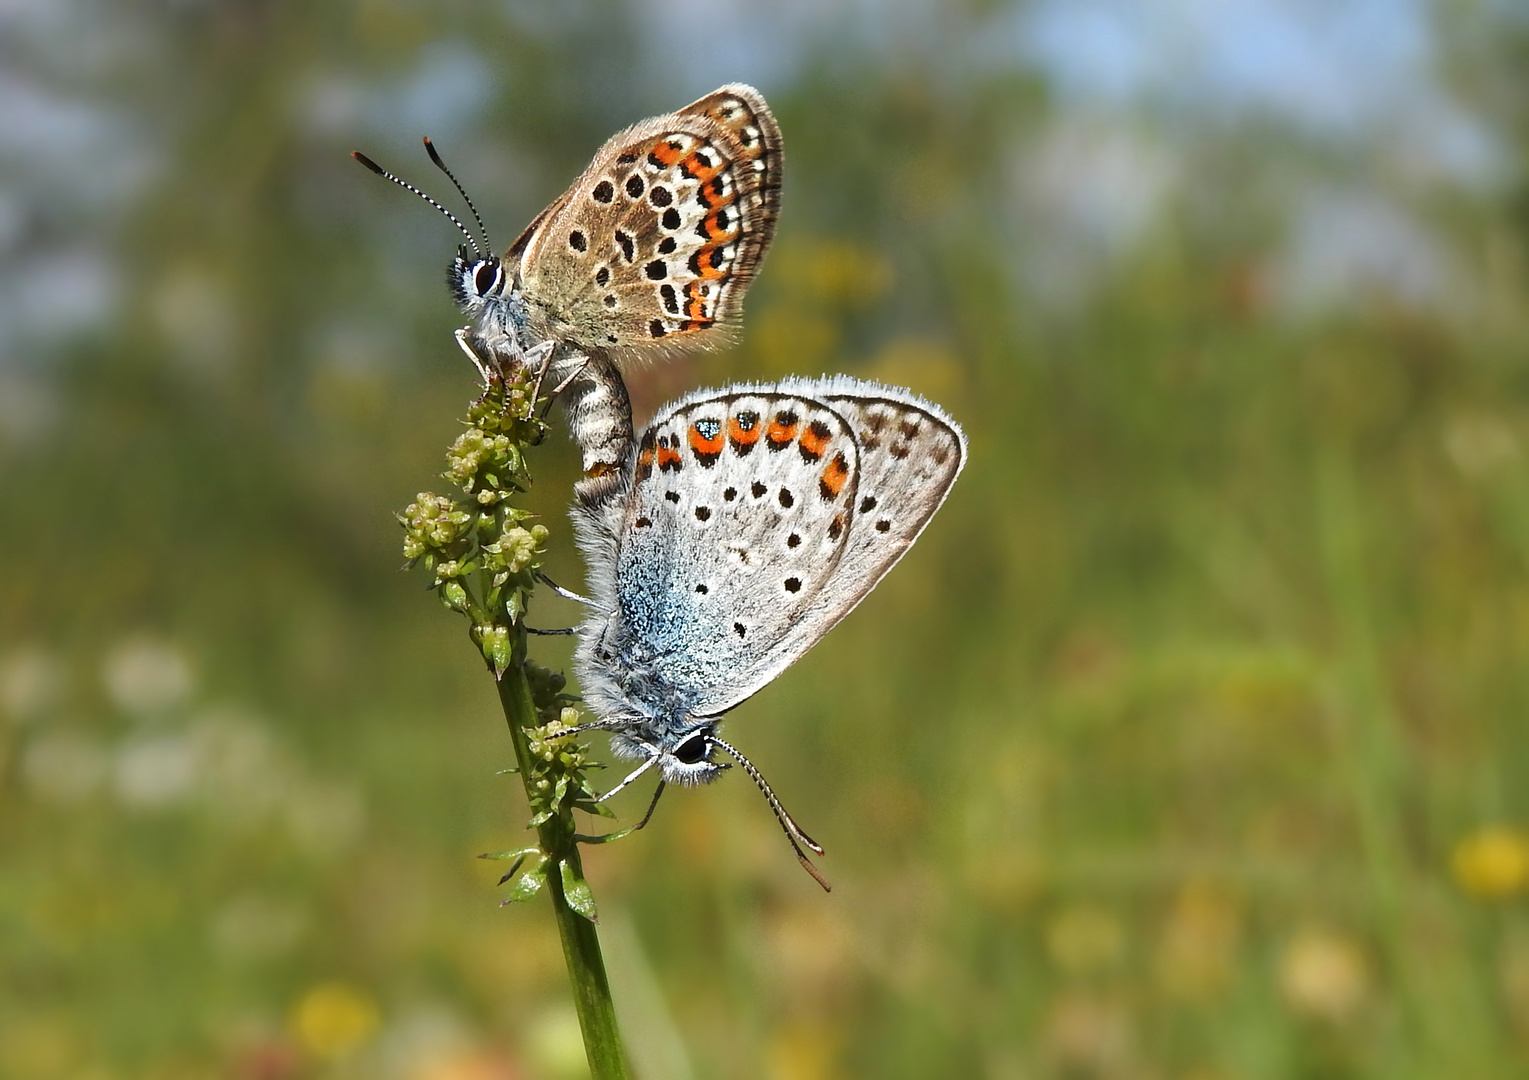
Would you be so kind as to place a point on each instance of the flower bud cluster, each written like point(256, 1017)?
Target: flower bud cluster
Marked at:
point(432, 522)
point(482, 553)
point(559, 766)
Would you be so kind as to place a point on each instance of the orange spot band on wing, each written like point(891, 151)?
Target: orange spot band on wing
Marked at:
point(666, 152)
point(714, 193)
point(693, 167)
point(745, 433)
point(695, 303)
point(703, 445)
point(701, 264)
point(668, 459)
point(835, 473)
point(780, 431)
point(714, 230)
point(815, 440)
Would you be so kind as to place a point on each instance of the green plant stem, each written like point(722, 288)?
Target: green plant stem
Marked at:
point(581, 945)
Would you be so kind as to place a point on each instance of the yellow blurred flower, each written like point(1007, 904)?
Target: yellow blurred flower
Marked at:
point(333, 1018)
point(1083, 938)
point(474, 1065)
point(1323, 974)
point(1492, 863)
point(1089, 1035)
point(38, 1046)
point(1197, 952)
point(555, 1045)
point(804, 1051)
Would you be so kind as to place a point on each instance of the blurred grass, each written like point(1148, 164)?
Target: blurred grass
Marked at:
point(1186, 743)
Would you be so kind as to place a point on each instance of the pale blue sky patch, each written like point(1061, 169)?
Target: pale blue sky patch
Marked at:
point(1354, 244)
point(445, 95)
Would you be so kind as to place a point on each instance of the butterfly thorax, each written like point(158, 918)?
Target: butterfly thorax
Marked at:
point(623, 684)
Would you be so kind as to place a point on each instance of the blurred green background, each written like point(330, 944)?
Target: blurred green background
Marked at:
point(1187, 744)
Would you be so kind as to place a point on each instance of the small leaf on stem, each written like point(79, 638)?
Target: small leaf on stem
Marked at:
point(580, 897)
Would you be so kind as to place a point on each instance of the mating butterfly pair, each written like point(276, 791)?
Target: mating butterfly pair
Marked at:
point(745, 522)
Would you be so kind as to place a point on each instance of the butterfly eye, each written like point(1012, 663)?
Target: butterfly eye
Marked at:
point(691, 750)
point(486, 277)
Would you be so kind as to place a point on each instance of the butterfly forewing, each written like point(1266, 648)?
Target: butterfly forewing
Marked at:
point(736, 521)
point(653, 247)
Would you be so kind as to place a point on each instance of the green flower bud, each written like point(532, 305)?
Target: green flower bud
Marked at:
point(516, 548)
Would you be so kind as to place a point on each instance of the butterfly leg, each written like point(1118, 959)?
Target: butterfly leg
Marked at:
point(579, 362)
point(652, 806)
point(539, 357)
point(633, 775)
point(566, 594)
point(552, 633)
point(464, 339)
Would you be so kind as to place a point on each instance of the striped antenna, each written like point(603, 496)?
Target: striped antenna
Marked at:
point(439, 164)
point(380, 171)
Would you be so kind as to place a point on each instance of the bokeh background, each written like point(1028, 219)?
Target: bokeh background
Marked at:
point(1188, 744)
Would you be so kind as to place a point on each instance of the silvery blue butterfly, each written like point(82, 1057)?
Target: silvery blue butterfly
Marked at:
point(749, 521)
point(649, 253)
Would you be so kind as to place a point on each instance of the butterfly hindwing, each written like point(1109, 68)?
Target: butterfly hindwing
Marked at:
point(711, 585)
point(735, 522)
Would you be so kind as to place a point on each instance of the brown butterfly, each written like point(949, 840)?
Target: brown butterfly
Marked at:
point(647, 254)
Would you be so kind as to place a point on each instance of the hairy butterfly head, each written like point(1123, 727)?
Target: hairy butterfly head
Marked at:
point(475, 280)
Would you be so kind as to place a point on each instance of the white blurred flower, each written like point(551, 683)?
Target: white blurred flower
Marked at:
point(422, 1037)
point(1089, 1035)
point(197, 316)
point(63, 766)
point(146, 676)
point(241, 771)
point(29, 405)
point(325, 817)
point(30, 681)
point(255, 927)
point(1323, 974)
point(1480, 443)
point(155, 772)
